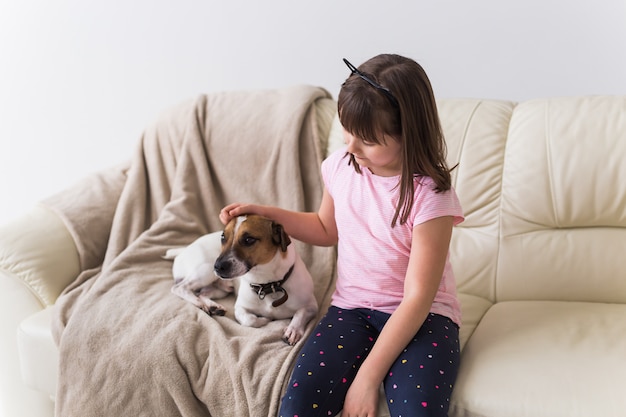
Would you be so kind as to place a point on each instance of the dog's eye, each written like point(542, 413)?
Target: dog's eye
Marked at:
point(223, 238)
point(248, 240)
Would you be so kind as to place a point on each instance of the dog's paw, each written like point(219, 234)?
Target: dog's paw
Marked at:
point(209, 306)
point(213, 309)
point(251, 320)
point(292, 335)
point(216, 311)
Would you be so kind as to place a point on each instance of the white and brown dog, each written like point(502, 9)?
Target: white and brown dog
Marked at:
point(254, 258)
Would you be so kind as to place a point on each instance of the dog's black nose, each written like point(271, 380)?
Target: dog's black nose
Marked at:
point(222, 267)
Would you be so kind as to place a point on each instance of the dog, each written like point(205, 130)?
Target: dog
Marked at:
point(255, 259)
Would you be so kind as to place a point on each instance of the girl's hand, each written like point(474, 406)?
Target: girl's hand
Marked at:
point(237, 209)
point(361, 399)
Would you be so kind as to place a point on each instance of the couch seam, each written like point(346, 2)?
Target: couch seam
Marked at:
point(464, 139)
point(500, 209)
point(549, 163)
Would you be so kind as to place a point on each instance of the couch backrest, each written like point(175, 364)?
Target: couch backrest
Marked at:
point(543, 185)
point(476, 132)
point(563, 234)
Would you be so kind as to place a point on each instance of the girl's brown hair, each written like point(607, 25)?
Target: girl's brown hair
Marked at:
point(410, 116)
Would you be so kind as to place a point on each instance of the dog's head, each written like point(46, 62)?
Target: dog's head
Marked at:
point(248, 241)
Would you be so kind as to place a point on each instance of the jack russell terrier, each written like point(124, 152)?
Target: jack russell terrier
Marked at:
point(254, 258)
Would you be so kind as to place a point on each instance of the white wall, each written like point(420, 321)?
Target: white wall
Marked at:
point(80, 79)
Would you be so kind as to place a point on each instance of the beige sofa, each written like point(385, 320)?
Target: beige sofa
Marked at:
point(540, 263)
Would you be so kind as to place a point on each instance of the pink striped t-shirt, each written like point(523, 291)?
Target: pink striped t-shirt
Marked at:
point(372, 256)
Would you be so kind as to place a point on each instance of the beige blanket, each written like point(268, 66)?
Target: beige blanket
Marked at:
point(128, 347)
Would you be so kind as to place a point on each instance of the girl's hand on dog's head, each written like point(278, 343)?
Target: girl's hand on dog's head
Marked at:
point(239, 209)
point(226, 213)
point(236, 209)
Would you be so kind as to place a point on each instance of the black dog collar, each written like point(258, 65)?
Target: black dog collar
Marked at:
point(271, 287)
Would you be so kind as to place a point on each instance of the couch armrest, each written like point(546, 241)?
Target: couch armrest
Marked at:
point(38, 250)
point(38, 259)
point(39, 355)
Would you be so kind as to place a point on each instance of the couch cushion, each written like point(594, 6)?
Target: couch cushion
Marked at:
point(541, 358)
point(564, 202)
point(472, 310)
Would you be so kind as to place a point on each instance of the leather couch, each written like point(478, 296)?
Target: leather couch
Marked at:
point(540, 263)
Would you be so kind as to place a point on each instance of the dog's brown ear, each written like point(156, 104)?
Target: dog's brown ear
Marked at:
point(279, 237)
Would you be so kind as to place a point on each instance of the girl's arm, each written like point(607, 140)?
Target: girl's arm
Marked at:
point(429, 249)
point(313, 228)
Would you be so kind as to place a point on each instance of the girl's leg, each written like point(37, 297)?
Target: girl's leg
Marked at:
point(421, 380)
point(327, 364)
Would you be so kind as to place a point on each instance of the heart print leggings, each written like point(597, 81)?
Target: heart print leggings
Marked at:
point(419, 383)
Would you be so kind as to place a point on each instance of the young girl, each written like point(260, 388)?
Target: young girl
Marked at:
point(389, 205)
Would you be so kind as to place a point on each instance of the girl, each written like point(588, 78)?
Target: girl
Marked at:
point(389, 205)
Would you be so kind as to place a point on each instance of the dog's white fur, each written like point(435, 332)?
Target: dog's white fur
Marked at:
point(250, 250)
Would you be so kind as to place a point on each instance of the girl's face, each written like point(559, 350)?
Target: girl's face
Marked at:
point(382, 160)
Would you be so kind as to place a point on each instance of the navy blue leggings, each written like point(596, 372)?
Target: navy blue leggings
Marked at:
point(419, 383)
